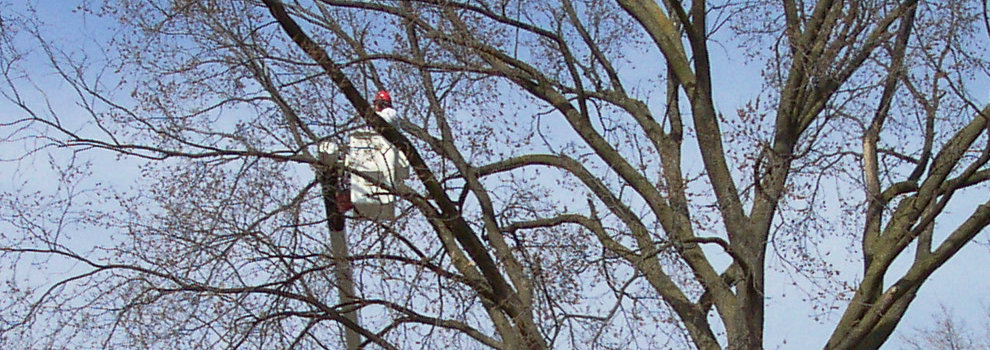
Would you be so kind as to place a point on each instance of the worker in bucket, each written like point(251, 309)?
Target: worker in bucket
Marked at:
point(371, 154)
point(383, 106)
point(374, 167)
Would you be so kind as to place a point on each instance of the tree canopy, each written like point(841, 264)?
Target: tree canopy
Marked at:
point(579, 177)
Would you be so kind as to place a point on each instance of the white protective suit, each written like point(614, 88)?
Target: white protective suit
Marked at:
point(389, 114)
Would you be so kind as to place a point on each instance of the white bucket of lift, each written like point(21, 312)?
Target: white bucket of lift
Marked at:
point(372, 158)
point(327, 151)
point(371, 201)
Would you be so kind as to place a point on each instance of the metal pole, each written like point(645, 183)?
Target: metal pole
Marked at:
point(343, 274)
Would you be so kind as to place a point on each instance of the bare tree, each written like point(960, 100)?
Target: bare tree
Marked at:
point(947, 332)
point(557, 200)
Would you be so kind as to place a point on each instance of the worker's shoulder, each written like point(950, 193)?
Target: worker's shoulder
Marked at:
point(389, 114)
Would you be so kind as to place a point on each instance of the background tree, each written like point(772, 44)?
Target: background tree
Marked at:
point(948, 332)
point(557, 197)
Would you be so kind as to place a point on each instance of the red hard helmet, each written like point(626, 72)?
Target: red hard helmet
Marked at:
point(383, 96)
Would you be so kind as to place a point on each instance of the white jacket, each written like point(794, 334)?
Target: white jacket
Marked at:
point(389, 114)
